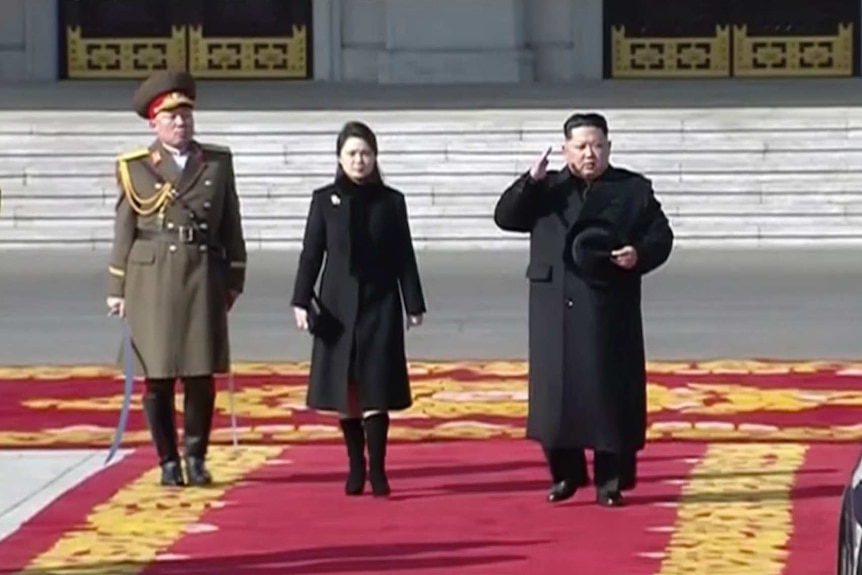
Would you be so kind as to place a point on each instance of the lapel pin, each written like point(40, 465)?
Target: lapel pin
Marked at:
point(335, 199)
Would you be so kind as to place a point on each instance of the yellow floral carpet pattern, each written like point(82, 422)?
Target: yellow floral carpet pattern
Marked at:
point(743, 475)
point(747, 400)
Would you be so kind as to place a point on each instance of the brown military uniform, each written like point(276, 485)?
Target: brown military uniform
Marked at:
point(178, 252)
point(178, 247)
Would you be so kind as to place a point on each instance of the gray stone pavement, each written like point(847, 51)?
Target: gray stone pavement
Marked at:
point(768, 303)
point(705, 303)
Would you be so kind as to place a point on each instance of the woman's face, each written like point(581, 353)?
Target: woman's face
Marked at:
point(357, 159)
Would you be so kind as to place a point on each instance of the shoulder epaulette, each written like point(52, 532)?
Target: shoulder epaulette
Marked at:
point(143, 206)
point(134, 155)
point(216, 148)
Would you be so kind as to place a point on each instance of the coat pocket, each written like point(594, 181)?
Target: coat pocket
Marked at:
point(142, 254)
point(539, 272)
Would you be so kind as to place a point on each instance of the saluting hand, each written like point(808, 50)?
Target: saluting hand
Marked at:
point(625, 257)
point(539, 169)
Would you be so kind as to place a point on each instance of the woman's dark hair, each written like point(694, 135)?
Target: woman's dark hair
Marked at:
point(363, 132)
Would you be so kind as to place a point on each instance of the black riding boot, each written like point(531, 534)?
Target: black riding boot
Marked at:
point(199, 403)
point(354, 440)
point(376, 434)
point(158, 403)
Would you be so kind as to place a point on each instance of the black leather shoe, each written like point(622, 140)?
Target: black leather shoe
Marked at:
point(561, 491)
point(172, 474)
point(197, 472)
point(613, 499)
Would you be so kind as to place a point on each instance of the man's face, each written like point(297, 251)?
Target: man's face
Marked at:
point(174, 128)
point(587, 152)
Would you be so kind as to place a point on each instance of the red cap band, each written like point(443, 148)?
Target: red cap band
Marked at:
point(168, 101)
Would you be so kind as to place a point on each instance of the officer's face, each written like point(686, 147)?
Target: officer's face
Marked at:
point(357, 159)
point(587, 151)
point(174, 128)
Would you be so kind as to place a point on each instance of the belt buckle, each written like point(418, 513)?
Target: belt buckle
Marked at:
point(186, 234)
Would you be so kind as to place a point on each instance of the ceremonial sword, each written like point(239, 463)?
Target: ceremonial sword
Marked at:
point(129, 374)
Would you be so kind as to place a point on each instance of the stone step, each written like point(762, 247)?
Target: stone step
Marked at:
point(654, 166)
point(530, 143)
point(730, 163)
point(446, 120)
point(419, 208)
point(678, 207)
point(468, 225)
point(80, 186)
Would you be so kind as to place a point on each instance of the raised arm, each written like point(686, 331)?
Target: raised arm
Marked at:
point(520, 205)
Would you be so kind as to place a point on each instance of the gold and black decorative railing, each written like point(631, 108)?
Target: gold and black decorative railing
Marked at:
point(687, 57)
point(110, 39)
point(767, 38)
point(249, 57)
point(826, 55)
point(128, 39)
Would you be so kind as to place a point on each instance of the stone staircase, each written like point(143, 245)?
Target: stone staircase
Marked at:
point(725, 177)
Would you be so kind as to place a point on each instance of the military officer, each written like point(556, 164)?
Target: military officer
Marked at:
point(176, 267)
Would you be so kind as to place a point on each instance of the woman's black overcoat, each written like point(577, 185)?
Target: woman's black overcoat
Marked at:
point(370, 265)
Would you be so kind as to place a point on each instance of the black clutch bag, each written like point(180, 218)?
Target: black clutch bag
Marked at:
point(322, 323)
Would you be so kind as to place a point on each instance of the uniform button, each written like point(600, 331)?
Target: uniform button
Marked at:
point(569, 303)
point(204, 226)
point(202, 248)
point(206, 205)
point(170, 225)
point(173, 248)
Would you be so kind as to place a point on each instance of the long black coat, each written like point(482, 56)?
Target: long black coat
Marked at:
point(365, 235)
point(587, 382)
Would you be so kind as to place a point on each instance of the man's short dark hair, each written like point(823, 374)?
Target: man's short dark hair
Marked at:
point(592, 120)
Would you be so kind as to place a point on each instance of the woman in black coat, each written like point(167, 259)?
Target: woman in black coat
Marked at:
point(358, 362)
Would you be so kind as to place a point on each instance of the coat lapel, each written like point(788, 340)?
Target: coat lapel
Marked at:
point(195, 166)
point(599, 199)
point(163, 164)
point(166, 168)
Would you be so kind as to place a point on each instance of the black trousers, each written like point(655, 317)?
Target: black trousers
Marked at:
point(612, 472)
point(198, 408)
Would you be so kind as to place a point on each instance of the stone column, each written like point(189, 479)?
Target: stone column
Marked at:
point(326, 22)
point(589, 31)
point(28, 40)
point(455, 41)
point(43, 39)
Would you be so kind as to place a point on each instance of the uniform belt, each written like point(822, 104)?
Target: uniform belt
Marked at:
point(182, 234)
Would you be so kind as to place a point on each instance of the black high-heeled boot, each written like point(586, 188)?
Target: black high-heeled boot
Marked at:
point(354, 440)
point(376, 434)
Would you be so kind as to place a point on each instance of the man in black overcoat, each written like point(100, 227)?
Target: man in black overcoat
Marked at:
point(595, 230)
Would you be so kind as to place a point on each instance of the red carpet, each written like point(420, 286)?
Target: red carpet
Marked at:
point(721, 400)
point(765, 503)
point(463, 507)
